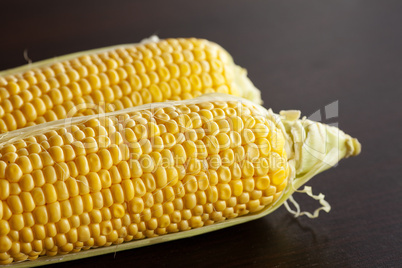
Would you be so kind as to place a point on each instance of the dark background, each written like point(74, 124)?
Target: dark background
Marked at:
point(302, 55)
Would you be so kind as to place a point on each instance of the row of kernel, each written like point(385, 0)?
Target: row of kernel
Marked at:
point(18, 120)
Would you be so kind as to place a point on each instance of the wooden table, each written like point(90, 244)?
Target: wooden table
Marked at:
point(302, 55)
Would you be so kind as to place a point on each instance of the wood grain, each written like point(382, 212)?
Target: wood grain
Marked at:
point(302, 55)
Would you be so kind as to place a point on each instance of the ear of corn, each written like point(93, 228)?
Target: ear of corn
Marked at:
point(151, 174)
point(118, 77)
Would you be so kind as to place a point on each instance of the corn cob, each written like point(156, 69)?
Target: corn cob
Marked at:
point(152, 173)
point(118, 77)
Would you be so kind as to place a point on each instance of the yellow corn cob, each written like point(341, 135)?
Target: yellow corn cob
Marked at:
point(114, 78)
point(149, 173)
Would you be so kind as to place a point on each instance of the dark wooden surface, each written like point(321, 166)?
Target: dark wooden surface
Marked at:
point(302, 55)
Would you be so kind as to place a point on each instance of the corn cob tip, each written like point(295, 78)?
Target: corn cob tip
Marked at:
point(315, 146)
point(244, 87)
point(354, 147)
